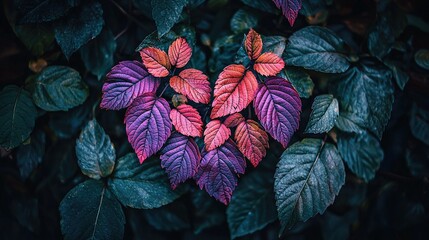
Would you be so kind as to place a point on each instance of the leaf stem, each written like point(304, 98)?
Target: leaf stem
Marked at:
point(163, 90)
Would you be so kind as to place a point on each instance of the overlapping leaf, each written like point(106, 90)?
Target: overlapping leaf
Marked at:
point(219, 169)
point(278, 107)
point(290, 9)
point(148, 124)
point(252, 141)
point(233, 120)
point(253, 44)
point(156, 61)
point(179, 52)
point(125, 82)
point(269, 64)
point(324, 113)
point(187, 120)
point(193, 84)
point(180, 157)
point(234, 90)
point(216, 134)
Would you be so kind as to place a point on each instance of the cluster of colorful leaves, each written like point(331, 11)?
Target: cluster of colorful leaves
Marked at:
point(290, 9)
point(149, 118)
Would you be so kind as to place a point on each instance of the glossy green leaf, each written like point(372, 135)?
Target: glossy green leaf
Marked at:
point(323, 115)
point(348, 122)
point(242, 21)
point(166, 13)
point(318, 49)
point(95, 153)
point(147, 182)
point(253, 205)
point(29, 156)
point(362, 154)
point(97, 55)
point(152, 40)
point(300, 80)
point(422, 58)
point(59, 88)
point(308, 177)
point(419, 123)
point(17, 116)
point(91, 211)
point(274, 44)
point(36, 11)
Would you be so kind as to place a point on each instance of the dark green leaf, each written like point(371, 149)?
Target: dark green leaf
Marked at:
point(422, 58)
point(59, 88)
point(308, 177)
point(348, 122)
point(300, 80)
point(166, 13)
point(207, 211)
point(95, 153)
point(317, 48)
point(171, 217)
point(29, 156)
point(141, 185)
point(311, 7)
point(37, 38)
point(198, 59)
point(262, 5)
point(253, 205)
point(275, 44)
point(323, 115)
point(337, 227)
point(90, 211)
point(418, 160)
point(420, 124)
point(36, 11)
point(224, 52)
point(362, 153)
point(81, 25)
point(17, 116)
point(97, 55)
point(399, 75)
point(152, 40)
point(242, 21)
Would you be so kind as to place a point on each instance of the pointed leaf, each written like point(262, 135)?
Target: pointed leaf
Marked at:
point(125, 82)
point(193, 84)
point(235, 88)
point(216, 134)
point(269, 64)
point(187, 120)
point(94, 150)
point(253, 44)
point(323, 115)
point(218, 171)
point(166, 13)
point(243, 21)
point(156, 61)
point(290, 9)
point(300, 80)
point(278, 107)
point(179, 52)
point(180, 157)
point(29, 156)
point(252, 141)
point(308, 177)
point(148, 124)
point(233, 120)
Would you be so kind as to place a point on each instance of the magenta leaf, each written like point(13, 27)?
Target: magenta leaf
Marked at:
point(125, 82)
point(278, 107)
point(290, 9)
point(148, 124)
point(219, 169)
point(180, 157)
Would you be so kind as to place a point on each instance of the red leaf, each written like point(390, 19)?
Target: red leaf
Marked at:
point(216, 134)
point(147, 124)
point(156, 61)
point(253, 44)
point(269, 64)
point(251, 141)
point(233, 120)
point(218, 171)
point(179, 53)
point(290, 9)
point(234, 90)
point(180, 158)
point(278, 107)
point(187, 120)
point(193, 84)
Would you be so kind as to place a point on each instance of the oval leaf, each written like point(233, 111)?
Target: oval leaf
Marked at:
point(323, 115)
point(309, 175)
point(148, 124)
point(269, 64)
point(233, 120)
point(234, 90)
point(253, 44)
point(252, 141)
point(17, 116)
point(290, 9)
point(193, 84)
point(180, 158)
point(422, 58)
point(125, 82)
point(156, 61)
point(95, 153)
point(59, 88)
point(216, 134)
point(187, 120)
point(278, 107)
point(218, 171)
point(179, 53)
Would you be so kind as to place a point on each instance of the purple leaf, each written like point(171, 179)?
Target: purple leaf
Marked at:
point(148, 124)
point(219, 169)
point(278, 107)
point(180, 158)
point(125, 82)
point(290, 9)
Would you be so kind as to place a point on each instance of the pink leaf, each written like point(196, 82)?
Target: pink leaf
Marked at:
point(252, 141)
point(269, 64)
point(187, 120)
point(156, 61)
point(179, 53)
point(148, 124)
point(290, 9)
point(216, 134)
point(233, 120)
point(193, 84)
